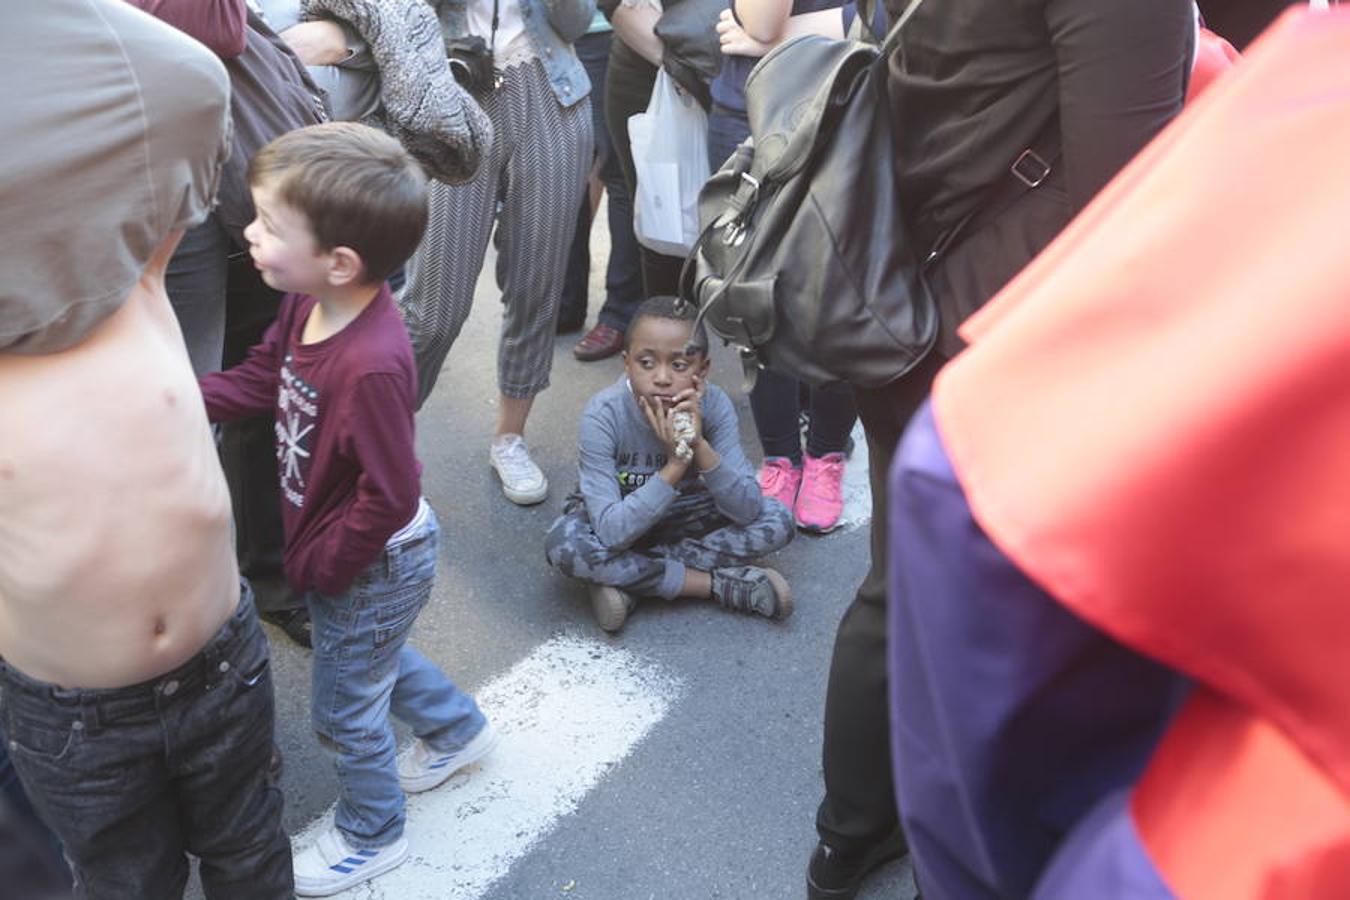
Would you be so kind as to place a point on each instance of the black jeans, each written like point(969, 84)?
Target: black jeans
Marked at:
point(132, 779)
point(31, 862)
point(623, 271)
point(628, 89)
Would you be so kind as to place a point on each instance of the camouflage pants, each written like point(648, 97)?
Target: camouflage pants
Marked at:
point(655, 568)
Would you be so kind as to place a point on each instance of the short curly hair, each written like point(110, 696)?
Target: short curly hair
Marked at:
point(664, 306)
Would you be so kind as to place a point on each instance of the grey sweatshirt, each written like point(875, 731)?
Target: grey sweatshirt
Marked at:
point(620, 455)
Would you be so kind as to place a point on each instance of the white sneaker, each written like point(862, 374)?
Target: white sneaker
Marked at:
point(421, 768)
point(522, 480)
point(330, 865)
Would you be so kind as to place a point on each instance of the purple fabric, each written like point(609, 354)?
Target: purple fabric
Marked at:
point(1011, 718)
point(1103, 857)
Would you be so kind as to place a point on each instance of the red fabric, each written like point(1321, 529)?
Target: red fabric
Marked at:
point(1154, 418)
point(1271, 824)
point(1213, 57)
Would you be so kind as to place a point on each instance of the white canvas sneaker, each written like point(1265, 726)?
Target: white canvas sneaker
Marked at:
point(330, 865)
point(522, 481)
point(421, 768)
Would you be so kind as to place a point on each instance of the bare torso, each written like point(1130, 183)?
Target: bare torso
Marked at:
point(116, 559)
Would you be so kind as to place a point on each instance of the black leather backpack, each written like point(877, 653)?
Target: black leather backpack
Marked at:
point(805, 261)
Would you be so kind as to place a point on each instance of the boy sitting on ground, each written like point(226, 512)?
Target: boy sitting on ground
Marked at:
point(340, 207)
point(646, 522)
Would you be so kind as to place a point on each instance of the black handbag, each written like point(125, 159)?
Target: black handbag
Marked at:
point(805, 261)
point(692, 53)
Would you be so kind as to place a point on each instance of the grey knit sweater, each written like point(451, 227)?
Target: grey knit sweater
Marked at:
point(421, 103)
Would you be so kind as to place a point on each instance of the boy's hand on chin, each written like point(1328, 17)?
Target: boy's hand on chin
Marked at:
point(690, 401)
point(658, 417)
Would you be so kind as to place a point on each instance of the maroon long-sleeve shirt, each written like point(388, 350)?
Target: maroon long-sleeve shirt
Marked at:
point(348, 471)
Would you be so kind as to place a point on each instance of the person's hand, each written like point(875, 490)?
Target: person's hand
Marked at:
point(659, 418)
point(734, 40)
point(691, 401)
point(318, 43)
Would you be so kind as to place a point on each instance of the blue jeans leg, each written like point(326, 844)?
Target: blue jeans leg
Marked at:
point(361, 662)
point(438, 711)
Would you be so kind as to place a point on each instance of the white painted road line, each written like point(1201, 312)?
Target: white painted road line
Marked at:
point(567, 714)
point(857, 489)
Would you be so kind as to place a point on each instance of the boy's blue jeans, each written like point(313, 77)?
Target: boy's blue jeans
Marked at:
point(364, 670)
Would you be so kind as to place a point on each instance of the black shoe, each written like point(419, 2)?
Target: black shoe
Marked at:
point(835, 875)
point(295, 622)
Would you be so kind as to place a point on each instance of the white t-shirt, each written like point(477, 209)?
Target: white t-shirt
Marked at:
point(511, 42)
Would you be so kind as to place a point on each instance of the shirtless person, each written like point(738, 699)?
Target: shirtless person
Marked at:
point(137, 702)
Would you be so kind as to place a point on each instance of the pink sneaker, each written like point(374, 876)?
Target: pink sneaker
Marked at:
point(779, 478)
point(820, 502)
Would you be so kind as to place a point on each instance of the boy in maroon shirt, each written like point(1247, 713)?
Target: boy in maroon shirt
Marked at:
point(340, 207)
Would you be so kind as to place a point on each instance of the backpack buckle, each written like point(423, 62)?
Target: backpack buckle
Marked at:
point(750, 366)
point(1029, 168)
point(742, 202)
point(734, 233)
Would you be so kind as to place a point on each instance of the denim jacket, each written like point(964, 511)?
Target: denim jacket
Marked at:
point(552, 26)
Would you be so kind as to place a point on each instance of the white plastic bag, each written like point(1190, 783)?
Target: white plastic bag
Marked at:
point(670, 154)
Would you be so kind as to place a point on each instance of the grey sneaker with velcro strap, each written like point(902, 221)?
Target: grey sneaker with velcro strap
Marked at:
point(751, 589)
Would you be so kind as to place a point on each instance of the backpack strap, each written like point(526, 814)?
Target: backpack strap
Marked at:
point(1026, 173)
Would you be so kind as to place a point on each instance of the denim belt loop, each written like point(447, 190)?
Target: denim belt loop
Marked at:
point(88, 717)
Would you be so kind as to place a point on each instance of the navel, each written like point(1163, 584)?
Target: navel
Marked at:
point(160, 625)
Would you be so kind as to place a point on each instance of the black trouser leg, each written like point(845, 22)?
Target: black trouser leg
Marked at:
point(628, 88)
point(248, 448)
point(858, 809)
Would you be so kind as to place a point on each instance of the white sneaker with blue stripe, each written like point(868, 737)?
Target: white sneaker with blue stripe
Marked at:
point(421, 768)
point(330, 865)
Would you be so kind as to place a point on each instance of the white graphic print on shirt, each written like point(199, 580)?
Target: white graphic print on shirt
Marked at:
point(297, 411)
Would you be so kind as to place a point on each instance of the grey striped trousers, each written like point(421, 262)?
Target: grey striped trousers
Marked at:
point(540, 156)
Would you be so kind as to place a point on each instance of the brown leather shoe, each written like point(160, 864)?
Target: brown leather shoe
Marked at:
point(601, 342)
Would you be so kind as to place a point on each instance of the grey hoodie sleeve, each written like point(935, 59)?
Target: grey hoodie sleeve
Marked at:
point(422, 105)
point(618, 521)
point(732, 484)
